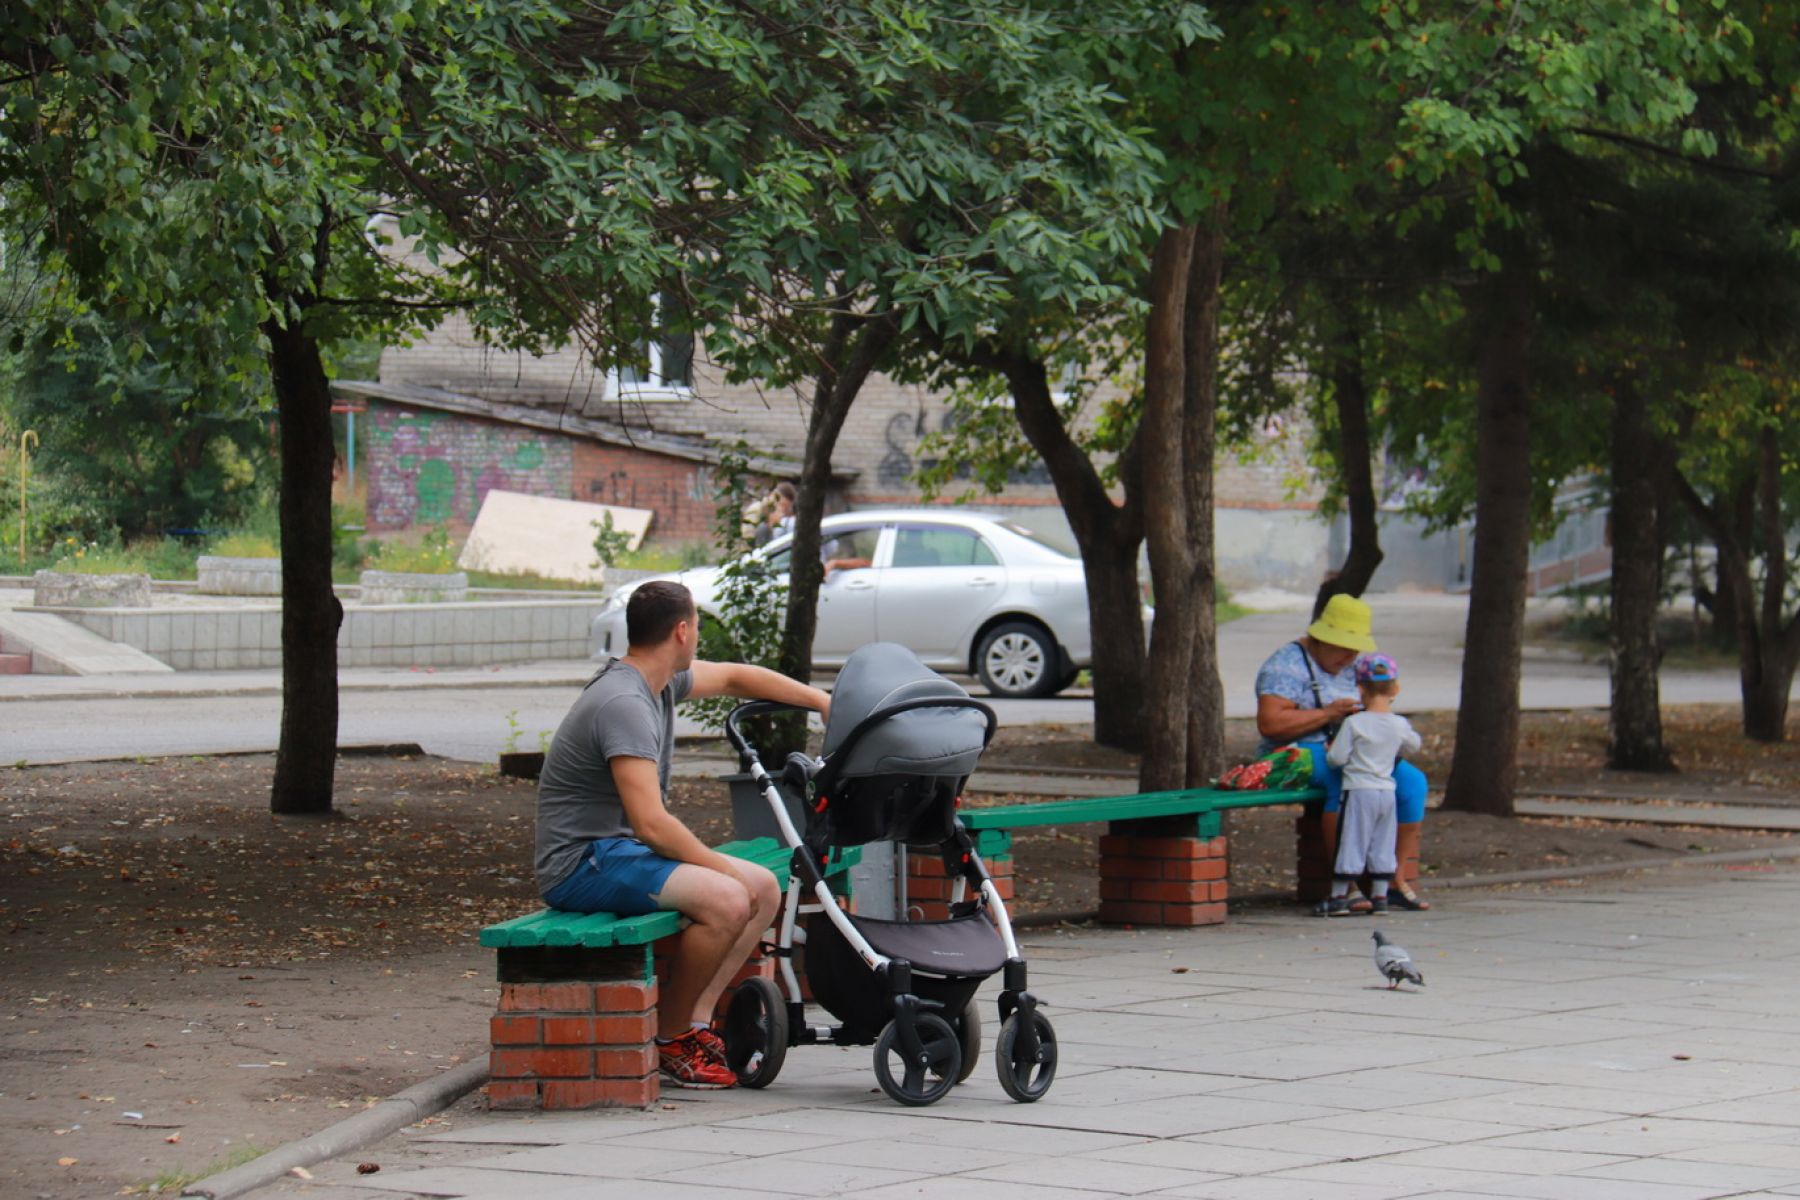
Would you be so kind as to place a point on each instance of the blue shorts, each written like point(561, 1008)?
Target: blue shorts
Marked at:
point(619, 875)
point(1410, 787)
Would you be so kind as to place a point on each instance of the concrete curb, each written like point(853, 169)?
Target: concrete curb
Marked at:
point(372, 1124)
point(274, 689)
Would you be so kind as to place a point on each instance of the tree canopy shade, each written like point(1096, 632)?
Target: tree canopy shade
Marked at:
point(811, 180)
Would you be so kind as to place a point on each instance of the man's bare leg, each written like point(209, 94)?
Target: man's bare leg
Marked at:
point(720, 908)
point(765, 899)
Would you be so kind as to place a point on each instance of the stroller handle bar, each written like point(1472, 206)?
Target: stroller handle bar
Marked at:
point(755, 708)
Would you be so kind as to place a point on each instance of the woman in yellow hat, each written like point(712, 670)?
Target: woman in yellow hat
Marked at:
point(1304, 691)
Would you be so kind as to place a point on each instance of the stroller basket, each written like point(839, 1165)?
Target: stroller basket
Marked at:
point(949, 958)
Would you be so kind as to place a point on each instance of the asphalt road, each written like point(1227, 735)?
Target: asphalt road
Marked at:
point(56, 722)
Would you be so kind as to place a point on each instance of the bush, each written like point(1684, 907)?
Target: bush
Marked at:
point(159, 558)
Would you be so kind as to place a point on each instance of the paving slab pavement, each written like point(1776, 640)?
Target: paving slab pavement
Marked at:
point(1638, 1041)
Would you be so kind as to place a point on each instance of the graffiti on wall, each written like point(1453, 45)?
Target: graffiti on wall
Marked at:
point(904, 433)
point(428, 468)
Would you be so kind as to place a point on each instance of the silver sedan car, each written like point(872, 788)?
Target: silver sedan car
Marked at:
point(965, 592)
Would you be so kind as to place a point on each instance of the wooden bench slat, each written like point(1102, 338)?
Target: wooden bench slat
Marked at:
point(596, 931)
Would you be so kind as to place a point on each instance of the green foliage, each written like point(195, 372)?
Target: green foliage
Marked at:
point(746, 626)
point(433, 554)
point(610, 544)
point(159, 558)
point(245, 545)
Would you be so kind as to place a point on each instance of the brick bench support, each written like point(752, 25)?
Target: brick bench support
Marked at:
point(575, 1029)
point(1165, 871)
point(929, 889)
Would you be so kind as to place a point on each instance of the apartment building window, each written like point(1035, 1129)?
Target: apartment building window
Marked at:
point(663, 368)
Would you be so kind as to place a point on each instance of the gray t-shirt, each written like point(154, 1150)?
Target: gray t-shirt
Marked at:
point(578, 802)
point(1367, 745)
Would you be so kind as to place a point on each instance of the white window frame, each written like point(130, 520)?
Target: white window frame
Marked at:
point(656, 387)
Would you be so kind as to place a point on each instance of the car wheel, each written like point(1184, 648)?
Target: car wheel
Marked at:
point(1018, 659)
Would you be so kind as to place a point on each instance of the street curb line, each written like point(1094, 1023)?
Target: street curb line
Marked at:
point(371, 1125)
point(275, 689)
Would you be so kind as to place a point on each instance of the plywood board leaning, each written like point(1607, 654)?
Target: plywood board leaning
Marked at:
point(544, 536)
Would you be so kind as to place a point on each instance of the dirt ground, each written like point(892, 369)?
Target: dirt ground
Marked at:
point(189, 980)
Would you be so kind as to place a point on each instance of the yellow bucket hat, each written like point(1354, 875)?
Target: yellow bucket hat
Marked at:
point(1346, 622)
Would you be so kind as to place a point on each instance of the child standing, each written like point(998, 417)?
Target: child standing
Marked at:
point(1366, 747)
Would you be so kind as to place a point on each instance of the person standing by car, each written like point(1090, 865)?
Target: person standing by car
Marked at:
point(1304, 691)
point(606, 842)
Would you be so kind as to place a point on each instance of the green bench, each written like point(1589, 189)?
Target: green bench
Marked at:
point(1163, 860)
point(577, 1014)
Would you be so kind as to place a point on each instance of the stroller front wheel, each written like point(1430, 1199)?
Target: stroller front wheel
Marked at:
point(1026, 1076)
point(756, 1033)
point(968, 1038)
point(920, 1081)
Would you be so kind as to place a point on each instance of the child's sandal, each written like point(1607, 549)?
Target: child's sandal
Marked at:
point(1401, 896)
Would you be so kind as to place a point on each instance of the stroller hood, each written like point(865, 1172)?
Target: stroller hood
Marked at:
point(920, 741)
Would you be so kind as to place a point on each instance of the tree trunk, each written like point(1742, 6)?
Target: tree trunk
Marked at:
point(310, 613)
point(1355, 458)
point(1164, 465)
point(1777, 640)
point(853, 347)
point(1637, 554)
point(1108, 536)
point(1200, 387)
point(1484, 770)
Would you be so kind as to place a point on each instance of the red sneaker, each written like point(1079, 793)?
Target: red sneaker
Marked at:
point(715, 1045)
point(688, 1062)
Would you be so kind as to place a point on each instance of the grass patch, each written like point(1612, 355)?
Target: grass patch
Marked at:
point(174, 1180)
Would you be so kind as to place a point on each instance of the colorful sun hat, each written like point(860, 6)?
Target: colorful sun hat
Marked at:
point(1376, 668)
point(1346, 622)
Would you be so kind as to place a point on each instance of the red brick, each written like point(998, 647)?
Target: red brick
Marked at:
point(512, 1095)
point(1131, 868)
point(514, 1031)
point(624, 997)
point(1000, 868)
point(1193, 914)
point(547, 997)
point(931, 910)
point(1116, 889)
point(625, 1064)
point(1169, 847)
point(920, 866)
point(1116, 845)
point(928, 889)
point(1169, 891)
point(1191, 869)
point(624, 1031)
point(1004, 887)
point(540, 1064)
point(569, 1031)
point(1125, 912)
point(601, 1093)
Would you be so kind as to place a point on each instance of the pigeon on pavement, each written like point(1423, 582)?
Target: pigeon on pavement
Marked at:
point(1394, 963)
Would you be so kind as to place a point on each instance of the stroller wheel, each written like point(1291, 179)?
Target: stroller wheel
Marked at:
point(756, 1033)
point(968, 1038)
point(1026, 1077)
point(918, 1083)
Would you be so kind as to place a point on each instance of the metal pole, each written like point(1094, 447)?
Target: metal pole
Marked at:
point(27, 440)
point(350, 454)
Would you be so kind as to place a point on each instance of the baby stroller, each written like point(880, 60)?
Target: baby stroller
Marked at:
point(899, 745)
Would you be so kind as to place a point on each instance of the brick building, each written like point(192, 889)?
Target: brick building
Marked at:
point(646, 440)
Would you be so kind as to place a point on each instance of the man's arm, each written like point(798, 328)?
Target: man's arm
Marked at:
point(755, 683)
point(654, 825)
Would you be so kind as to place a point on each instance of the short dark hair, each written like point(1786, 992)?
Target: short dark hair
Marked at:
point(786, 491)
point(653, 611)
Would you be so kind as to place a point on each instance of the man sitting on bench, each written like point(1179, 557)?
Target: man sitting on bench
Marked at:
point(607, 843)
